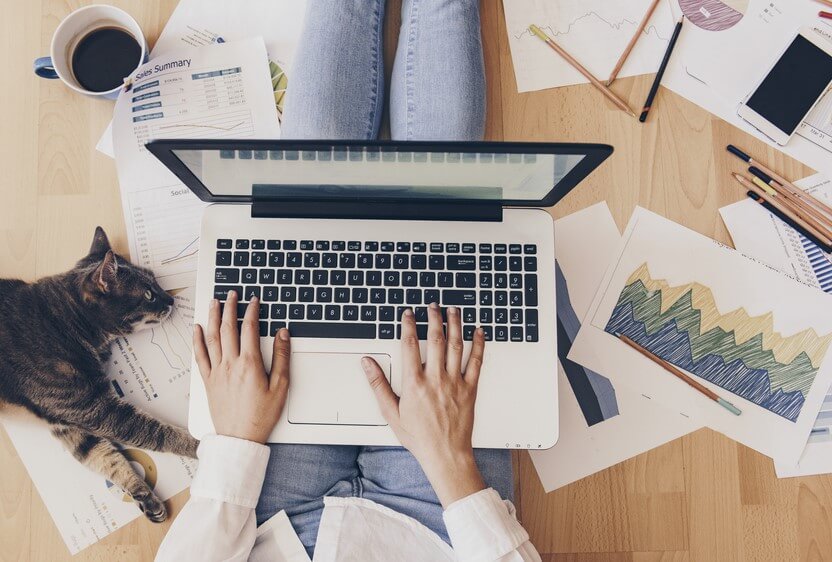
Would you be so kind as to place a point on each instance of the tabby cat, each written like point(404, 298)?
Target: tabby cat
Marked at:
point(55, 337)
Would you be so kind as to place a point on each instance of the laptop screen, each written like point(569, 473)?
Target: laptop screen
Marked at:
point(376, 171)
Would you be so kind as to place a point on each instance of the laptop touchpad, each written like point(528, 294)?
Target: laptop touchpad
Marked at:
point(331, 388)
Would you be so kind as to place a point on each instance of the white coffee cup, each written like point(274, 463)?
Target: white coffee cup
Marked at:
point(72, 30)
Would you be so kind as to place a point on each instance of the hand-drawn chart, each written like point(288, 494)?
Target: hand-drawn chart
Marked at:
point(714, 15)
point(740, 353)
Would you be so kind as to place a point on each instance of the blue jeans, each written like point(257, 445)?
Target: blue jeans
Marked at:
point(337, 92)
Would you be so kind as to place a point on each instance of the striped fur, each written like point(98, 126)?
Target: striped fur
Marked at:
point(55, 337)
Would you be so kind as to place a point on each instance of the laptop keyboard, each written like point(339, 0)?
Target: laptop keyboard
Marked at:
point(359, 289)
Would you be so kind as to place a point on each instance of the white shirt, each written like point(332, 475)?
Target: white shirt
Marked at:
point(219, 522)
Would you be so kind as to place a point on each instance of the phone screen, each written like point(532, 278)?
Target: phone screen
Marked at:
point(793, 86)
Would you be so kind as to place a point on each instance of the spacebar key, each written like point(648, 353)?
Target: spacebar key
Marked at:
point(454, 298)
point(352, 330)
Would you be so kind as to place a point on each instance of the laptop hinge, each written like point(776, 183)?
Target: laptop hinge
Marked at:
point(378, 210)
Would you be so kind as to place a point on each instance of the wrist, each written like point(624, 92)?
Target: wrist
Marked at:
point(453, 475)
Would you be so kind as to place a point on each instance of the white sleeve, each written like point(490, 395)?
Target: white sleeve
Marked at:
point(483, 527)
point(219, 522)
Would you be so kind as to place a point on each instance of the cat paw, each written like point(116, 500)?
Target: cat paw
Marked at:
point(152, 507)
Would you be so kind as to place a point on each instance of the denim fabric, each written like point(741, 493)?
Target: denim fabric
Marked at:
point(337, 92)
point(437, 91)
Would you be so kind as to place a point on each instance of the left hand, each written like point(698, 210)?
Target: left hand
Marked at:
point(245, 401)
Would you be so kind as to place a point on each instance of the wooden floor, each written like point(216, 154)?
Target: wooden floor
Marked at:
point(700, 498)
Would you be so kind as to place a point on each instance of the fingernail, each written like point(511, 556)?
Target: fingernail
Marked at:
point(434, 305)
point(215, 303)
point(452, 311)
point(408, 312)
point(480, 331)
point(365, 363)
point(254, 300)
point(283, 334)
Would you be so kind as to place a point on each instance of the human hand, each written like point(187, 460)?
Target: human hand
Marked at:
point(434, 417)
point(245, 401)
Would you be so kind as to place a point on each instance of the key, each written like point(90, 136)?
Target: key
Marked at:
point(224, 244)
point(266, 276)
point(437, 263)
point(459, 298)
point(427, 279)
point(462, 263)
point(485, 248)
point(258, 244)
point(251, 292)
point(421, 331)
point(342, 295)
point(410, 279)
point(418, 261)
point(516, 316)
point(469, 315)
point(350, 312)
point(365, 261)
point(270, 294)
point(338, 277)
point(452, 248)
point(264, 329)
point(515, 263)
point(485, 280)
point(388, 247)
point(529, 249)
point(501, 333)
point(383, 261)
point(355, 330)
point(249, 276)
point(290, 245)
point(378, 296)
point(294, 259)
point(307, 244)
point(531, 325)
point(391, 279)
point(322, 245)
point(311, 260)
point(258, 259)
point(284, 276)
point(530, 263)
point(401, 261)
point(320, 277)
point(355, 278)
point(368, 246)
point(395, 296)
point(420, 247)
point(469, 248)
point(329, 260)
point(332, 312)
point(515, 298)
point(515, 281)
point(485, 315)
point(500, 248)
point(241, 244)
point(486, 298)
point(501, 298)
point(277, 259)
point(373, 279)
point(530, 282)
point(486, 263)
point(432, 295)
point(386, 313)
point(359, 295)
point(339, 246)
point(468, 333)
point(221, 291)
point(500, 280)
point(403, 246)
point(488, 332)
point(288, 294)
point(279, 311)
point(386, 331)
point(222, 275)
point(347, 261)
point(466, 280)
point(445, 279)
point(223, 258)
point(273, 244)
point(323, 294)
point(414, 296)
point(515, 249)
point(296, 312)
point(368, 313)
point(501, 316)
point(420, 313)
point(275, 327)
point(306, 294)
point(516, 333)
point(241, 259)
point(314, 312)
point(302, 277)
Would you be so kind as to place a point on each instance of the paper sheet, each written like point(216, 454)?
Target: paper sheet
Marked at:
point(596, 32)
point(197, 23)
point(759, 234)
point(150, 370)
point(598, 428)
point(216, 91)
point(755, 336)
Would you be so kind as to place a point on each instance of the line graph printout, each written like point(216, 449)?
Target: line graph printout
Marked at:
point(595, 32)
point(750, 333)
point(759, 234)
point(818, 125)
point(149, 369)
point(222, 90)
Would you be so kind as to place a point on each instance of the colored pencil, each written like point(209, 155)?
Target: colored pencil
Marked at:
point(621, 104)
point(632, 43)
point(809, 213)
point(680, 375)
point(774, 211)
point(827, 15)
point(658, 80)
point(794, 221)
point(827, 2)
point(786, 184)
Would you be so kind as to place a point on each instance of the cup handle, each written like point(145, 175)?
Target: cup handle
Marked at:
point(43, 68)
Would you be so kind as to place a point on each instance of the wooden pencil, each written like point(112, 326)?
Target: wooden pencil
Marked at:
point(783, 207)
point(787, 185)
point(813, 215)
point(625, 55)
point(621, 104)
point(680, 375)
point(827, 2)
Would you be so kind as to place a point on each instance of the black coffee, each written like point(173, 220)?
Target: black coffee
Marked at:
point(104, 57)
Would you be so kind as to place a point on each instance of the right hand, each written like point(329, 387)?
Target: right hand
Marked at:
point(434, 418)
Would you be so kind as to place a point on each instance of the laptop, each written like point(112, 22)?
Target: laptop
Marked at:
point(338, 238)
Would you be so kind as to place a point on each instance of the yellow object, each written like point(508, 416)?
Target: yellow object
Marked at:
point(764, 186)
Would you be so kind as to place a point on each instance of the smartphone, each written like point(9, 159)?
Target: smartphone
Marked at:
point(791, 88)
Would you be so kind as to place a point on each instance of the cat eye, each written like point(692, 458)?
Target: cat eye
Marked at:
point(149, 296)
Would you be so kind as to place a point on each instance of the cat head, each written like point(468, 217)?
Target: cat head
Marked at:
point(124, 296)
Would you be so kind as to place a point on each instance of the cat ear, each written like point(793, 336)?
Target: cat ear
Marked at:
point(100, 242)
point(106, 273)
